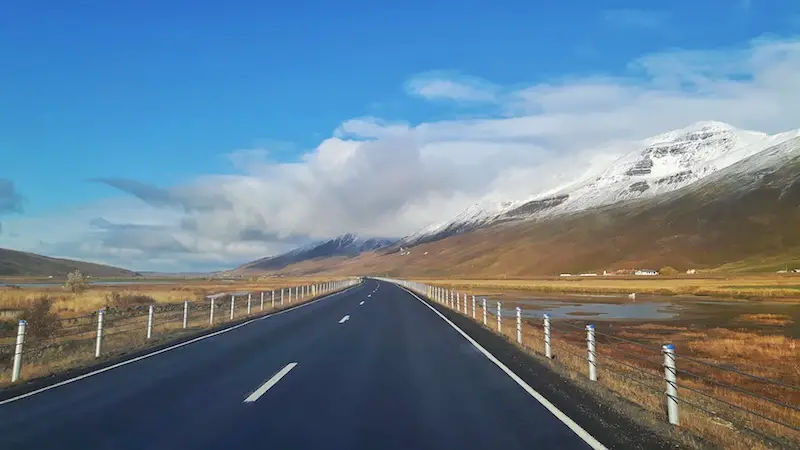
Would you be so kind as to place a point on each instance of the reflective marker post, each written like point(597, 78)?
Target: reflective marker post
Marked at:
point(99, 341)
point(499, 318)
point(150, 322)
point(18, 351)
point(211, 314)
point(670, 375)
point(590, 347)
point(473, 307)
point(185, 313)
point(547, 351)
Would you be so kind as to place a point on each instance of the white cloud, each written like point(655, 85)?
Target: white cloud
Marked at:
point(439, 85)
point(384, 178)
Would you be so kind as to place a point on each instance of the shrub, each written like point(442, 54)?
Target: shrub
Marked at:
point(76, 282)
point(669, 271)
point(127, 300)
point(42, 322)
point(8, 327)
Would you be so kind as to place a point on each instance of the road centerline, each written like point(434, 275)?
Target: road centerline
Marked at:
point(362, 302)
point(271, 382)
point(345, 318)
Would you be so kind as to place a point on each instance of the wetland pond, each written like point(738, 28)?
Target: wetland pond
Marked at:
point(692, 311)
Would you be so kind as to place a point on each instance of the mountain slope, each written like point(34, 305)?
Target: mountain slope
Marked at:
point(748, 211)
point(16, 263)
point(346, 245)
point(658, 165)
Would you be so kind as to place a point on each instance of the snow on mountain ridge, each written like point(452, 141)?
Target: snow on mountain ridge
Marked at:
point(475, 213)
point(660, 164)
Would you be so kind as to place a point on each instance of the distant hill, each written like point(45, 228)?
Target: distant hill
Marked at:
point(16, 263)
point(346, 245)
point(740, 217)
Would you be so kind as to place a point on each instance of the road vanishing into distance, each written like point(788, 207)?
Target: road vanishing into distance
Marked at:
point(372, 367)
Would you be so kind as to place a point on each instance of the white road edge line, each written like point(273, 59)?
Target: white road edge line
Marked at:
point(164, 350)
point(588, 438)
point(271, 382)
point(345, 319)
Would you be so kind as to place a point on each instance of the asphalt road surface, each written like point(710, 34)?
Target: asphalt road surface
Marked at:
point(369, 368)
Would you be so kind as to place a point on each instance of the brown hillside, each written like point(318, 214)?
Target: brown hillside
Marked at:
point(15, 263)
point(726, 220)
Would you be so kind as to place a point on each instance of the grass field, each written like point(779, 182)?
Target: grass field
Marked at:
point(630, 359)
point(743, 286)
point(96, 297)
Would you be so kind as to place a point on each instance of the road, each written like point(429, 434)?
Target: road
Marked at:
point(369, 368)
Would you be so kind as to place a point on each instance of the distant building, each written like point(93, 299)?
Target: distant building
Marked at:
point(691, 272)
point(565, 275)
point(646, 272)
point(588, 275)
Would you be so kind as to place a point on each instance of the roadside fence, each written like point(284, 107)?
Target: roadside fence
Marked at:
point(730, 406)
point(38, 349)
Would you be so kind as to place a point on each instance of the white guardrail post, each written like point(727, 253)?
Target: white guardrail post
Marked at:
point(592, 356)
point(282, 289)
point(233, 303)
point(249, 303)
point(485, 320)
point(465, 303)
point(499, 318)
point(18, 351)
point(519, 325)
point(670, 376)
point(273, 299)
point(150, 322)
point(547, 352)
point(262, 300)
point(185, 313)
point(458, 302)
point(99, 342)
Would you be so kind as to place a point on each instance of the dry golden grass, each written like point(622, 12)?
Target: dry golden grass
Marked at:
point(774, 286)
point(96, 297)
point(780, 320)
point(635, 373)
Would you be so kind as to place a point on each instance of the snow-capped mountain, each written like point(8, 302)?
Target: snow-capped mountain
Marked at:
point(660, 164)
point(347, 245)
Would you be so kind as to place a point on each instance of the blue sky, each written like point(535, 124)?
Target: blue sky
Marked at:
point(223, 98)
